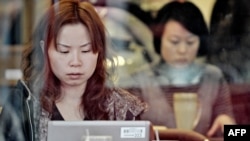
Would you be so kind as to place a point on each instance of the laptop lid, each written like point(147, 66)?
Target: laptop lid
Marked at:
point(99, 131)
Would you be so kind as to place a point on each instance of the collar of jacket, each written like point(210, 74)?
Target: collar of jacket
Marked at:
point(22, 85)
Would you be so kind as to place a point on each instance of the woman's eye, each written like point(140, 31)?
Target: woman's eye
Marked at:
point(190, 42)
point(175, 42)
point(86, 50)
point(64, 52)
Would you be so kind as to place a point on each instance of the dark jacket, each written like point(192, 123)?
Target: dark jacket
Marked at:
point(16, 119)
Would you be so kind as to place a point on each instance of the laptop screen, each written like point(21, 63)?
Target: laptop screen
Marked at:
point(100, 131)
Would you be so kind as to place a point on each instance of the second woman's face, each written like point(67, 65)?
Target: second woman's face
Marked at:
point(72, 59)
point(179, 47)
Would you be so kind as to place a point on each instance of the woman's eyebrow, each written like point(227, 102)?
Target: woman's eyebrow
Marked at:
point(192, 36)
point(65, 45)
point(85, 44)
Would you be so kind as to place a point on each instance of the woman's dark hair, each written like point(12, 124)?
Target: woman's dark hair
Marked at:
point(36, 65)
point(188, 15)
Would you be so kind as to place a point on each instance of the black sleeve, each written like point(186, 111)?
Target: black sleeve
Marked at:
point(10, 125)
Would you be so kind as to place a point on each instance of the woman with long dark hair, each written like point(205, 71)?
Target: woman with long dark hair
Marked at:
point(65, 73)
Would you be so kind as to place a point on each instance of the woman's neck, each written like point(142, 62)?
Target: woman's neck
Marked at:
point(69, 104)
point(72, 93)
point(187, 75)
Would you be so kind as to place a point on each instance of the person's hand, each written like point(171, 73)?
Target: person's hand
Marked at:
point(219, 123)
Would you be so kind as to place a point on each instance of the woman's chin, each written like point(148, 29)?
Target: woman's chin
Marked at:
point(180, 66)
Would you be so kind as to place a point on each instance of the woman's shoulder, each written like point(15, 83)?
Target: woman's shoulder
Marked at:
point(212, 70)
point(125, 95)
point(22, 91)
point(125, 100)
point(16, 93)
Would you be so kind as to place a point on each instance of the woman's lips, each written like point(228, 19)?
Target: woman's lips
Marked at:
point(74, 75)
point(182, 61)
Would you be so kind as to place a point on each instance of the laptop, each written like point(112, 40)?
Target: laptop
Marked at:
point(100, 131)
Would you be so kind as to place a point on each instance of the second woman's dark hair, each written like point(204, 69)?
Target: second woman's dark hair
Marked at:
point(188, 15)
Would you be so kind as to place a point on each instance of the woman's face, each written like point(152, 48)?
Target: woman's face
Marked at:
point(179, 47)
point(73, 61)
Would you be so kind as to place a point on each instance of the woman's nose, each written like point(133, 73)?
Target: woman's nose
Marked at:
point(75, 59)
point(182, 48)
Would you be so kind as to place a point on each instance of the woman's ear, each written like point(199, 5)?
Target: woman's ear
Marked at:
point(42, 45)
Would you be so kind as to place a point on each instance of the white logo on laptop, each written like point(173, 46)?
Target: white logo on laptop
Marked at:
point(133, 132)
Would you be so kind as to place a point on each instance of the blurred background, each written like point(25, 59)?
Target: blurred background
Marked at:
point(129, 24)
